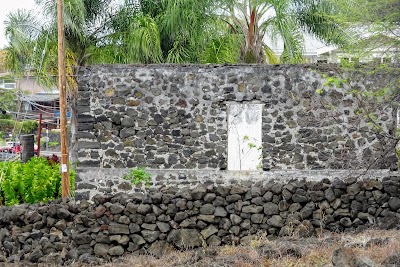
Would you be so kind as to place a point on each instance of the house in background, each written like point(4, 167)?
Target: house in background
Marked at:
point(36, 99)
point(314, 51)
point(7, 84)
point(45, 103)
point(30, 85)
point(378, 49)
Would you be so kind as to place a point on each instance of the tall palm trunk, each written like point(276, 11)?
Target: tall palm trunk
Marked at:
point(251, 29)
point(252, 51)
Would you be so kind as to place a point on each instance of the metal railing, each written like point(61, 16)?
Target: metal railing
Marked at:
point(7, 156)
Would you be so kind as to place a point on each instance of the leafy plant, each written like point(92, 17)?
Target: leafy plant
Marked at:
point(138, 176)
point(31, 182)
point(8, 100)
point(49, 144)
point(24, 127)
point(53, 144)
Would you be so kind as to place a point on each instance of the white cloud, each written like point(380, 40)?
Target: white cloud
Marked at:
point(7, 6)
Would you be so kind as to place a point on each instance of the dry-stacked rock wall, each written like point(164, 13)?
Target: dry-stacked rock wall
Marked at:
point(185, 218)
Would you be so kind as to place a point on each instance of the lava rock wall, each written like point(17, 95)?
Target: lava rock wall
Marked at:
point(175, 116)
point(154, 221)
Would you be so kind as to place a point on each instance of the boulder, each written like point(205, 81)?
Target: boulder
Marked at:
point(207, 209)
point(276, 221)
point(209, 231)
point(394, 203)
point(116, 251)
point(185, 238)
point(252, 209)
point(271, 209)
point(101, 249)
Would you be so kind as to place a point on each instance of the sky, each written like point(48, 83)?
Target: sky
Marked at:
point(7, 6)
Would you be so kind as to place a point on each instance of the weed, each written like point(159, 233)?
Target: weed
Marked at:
point(138, 176)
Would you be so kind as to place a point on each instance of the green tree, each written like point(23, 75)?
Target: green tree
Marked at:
point(230, 31)
point(8, 102)
point(376, 25)
point(2, 61)
point(134, 38)
point(256, 20)
point(187, 26)
point(179, 31)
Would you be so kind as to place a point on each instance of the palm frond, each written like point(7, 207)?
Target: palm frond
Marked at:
point(319, 18)
point(222, 49)
point(271, 57)
point(178, 54)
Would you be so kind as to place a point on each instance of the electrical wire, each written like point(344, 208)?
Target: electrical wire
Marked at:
point(41, 110)
point(35, 116)
point(39, 105)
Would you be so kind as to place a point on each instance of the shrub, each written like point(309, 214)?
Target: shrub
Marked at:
point(49, 144)
point(138, 176)
point(31, 182)
point(24, 126)
point(53, 144)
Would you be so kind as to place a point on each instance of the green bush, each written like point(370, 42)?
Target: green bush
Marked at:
point(138, 176)
point(50, 144)
point(24, 126)
point(31, 182)
point(29, 126)
point(6, 124)
point(53, 144)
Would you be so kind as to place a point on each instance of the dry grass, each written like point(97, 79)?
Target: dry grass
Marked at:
point(282, 252)
point(375, 245)
point(378, 252)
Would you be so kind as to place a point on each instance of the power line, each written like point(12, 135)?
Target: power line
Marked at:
point(40, 107)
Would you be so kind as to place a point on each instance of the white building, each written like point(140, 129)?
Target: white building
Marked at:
point(378, 49)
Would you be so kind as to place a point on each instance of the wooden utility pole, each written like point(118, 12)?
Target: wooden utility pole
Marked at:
point(62, 84)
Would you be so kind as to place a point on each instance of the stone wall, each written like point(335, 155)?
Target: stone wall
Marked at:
point(208, 215)
point(175, 117)
point(91, 180)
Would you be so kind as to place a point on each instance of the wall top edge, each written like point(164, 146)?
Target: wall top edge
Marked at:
point(213, 66)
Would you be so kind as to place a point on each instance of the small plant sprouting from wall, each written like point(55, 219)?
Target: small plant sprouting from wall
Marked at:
point(138, 176)
point(244, 136)
point(245, 147)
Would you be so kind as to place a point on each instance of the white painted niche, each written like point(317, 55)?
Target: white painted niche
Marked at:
point(244, 136)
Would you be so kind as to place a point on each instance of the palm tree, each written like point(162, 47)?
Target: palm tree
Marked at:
point(134, 38)
point(191, 30)
point(21, 35)
point(256, 20)
point(186, 28)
